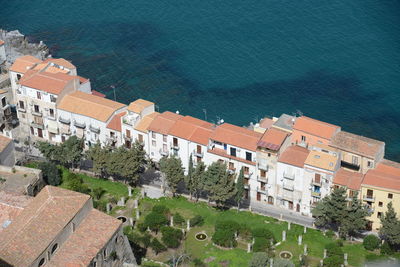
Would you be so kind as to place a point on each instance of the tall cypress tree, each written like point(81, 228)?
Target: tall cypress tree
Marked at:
point(198, 179)
point(239, 188)
point(173, 170)
point(354, 219)
point(390, 229)
point(219, 184)
point(189, 177)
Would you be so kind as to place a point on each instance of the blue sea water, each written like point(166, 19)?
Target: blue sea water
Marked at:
point(334, 60)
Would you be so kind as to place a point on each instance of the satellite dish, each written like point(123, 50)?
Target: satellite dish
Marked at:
point(177, 112)
point(222, 121)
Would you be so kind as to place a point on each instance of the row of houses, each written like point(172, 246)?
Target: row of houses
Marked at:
point(290, 162)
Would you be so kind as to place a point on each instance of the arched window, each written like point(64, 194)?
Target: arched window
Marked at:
point(270, 200)
point(41, 262)
point(54, 248)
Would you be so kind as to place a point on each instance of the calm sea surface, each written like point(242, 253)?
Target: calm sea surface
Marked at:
point(335, 60)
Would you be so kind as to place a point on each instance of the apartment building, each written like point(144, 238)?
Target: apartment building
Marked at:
point(309, 132)
point(272, 143)
point(141, 130)
point(114, 131)
point(237, 147)
point(61, 228)
point(349, 180)
point(2, 52)
point(358, 153)
point(290, 190)
point(379, 187)
point(135, 112)
point(86, 116)
point(160, 144)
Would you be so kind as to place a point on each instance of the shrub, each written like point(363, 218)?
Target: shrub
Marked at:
point(261, 244)
point(339, 242)
point(334, 250)
point(145, 239)
point(245, 232)
point(100, 205)
point(155, 220)
point(231, 226)
point(50, 172)
point(329, 233)
point(371, 242)
point(333, 261)
point(224, 238)
point(142, 227)
point(127, 230)
point(259, 259)
point(386, 249)
point(75, 183)
point(278, 262)
point(171, 237)
point(178, 219)
point(156, 246)
point(198, 263)
point(197, 220)
point(97, 192)
point(161, 209)
point(263, 232)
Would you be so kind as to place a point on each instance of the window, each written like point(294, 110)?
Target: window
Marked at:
point(19, 77)
point(370, 164)
point(164, 138)
point(231, 166)
point(263, 173)
point(36, 108)
point(41, 262)
point(355, 160)
point(317, 178)
point(248, 156)
point(54, 248)
point(165, 148)
point(233, 151)
point(153, 135)
point(51, 112)
point(370, 193)
point(153, 143)
point(62, 138)
point(140, 138)
point(379, 214)
point(390, 195)
point(21, 104)
point(3, 102)
point(39, 95)
point(175, 142)
point(53, 98)
point(380, 204)
point(303, 138)
point(128, 133)
point(269, 154)
point(32, 131)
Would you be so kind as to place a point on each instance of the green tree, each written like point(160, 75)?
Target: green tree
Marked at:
point(371, 242)
point(390, 229)
point(97, 192)
point(100, 157)
point(173, 171)
point(50, 172)
point(51, 152)
point(171, 237)
point(189, 178)
point(155, 221)
point(157, 246)
point(259, 259)
point(239, 188)
point(278, 262)
point(72, 150)
point(219, 184)
point(331, 210)
point(198, 179)
point(354, 219)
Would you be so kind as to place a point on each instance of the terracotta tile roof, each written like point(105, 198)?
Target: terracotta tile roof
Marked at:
point(272, 139)
point(91, 236)
point(96, 93)
point(38, 225)
point(357, 144)
point(115, 122)
point(351, 180)
point(237, 136)
point(22, 64)
point(321, 160)
point(222, 153)
point(385, 175)
point(192, 129)
point(53, 83)
point(139, 105)
point(294, 155)
point(1, 42)
point(163, 122)
point(266, 123)
point(315, 127)
point(145, 122)
point(4, 141)
point(92, 106)
point(61, 62)
point(11, 205)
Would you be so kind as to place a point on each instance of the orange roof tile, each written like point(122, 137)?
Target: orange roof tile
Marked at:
point(53, 83)
point(294, 155)
point(92, 106)
point(115, 122)
point(357, 144)
point(237, 136)
point(1, 42)
point(385, 175)
point(61, 62)
point(315, 127)
point(139, 105)
point(91, 236)
point(11, 205)
point(351, 180)
point(22, 64)
point(163, 122)
point(192, 129)
point(145, 122)
point(266, 123)
point(4, 141)
point(272, 139)
point(38, 224)
point(322, 160)
point(98, 93)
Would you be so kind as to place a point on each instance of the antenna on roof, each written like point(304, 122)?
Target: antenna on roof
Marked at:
point(115, 96)
point(177, 112)
point(205, 114)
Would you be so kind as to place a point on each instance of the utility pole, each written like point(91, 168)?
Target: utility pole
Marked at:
point(115, 96)
point(205, 114)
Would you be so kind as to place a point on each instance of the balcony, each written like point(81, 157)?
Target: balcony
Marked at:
point(262, 179)
point(127, 137)
point(369, 198)
point(351, 166)
point(111, 139)
point(63, 120)
point(315, 194)
point(198, 154)
point(163, 153)
point(289, 187)
point(289, 176)
point(262, 190)
point(19, 91)
point(81, 125)
point(174, 146)
point(231, 171)
point(37, 125)
point(37, 113)
point(317, 183)
point(127, 121)
point(262, 166)
point(20, 109)
point(247, 174)
point(94, 129)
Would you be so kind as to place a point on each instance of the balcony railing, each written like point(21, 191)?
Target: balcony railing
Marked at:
point(127, 137)
point(231, 170)
point(262, 179)
point(94, 129)
point(111, 139)
point(351, 166)
point(127, 122)
point(247, 174)
point(263, 166)
point(289, 176)
point(37, 125)
point(81, 125)
point(316, 194)
point(63, 120)
point(289, 187)
point(198, 154)
point(369, 198)
point(262, 190)
point(37, 113)
point(163, 152)
point(317, 183)
point(174, 146)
